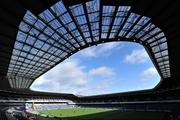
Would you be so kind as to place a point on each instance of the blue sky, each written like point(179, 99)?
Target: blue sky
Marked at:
point(106, 68)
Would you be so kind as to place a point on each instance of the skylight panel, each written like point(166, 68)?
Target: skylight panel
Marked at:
point(162, 40)
point(93, 6)
point(55, 24)
point(108, 10)
point(120, 17)
point(30, 18)
point(45, 47)
point(139, 25)
point(93, 16)
point(59, 8)
point(61, 30)
point(19, 45)
point(160, 35)
point(151, 33)
point(34, 32)
point(51, 41)
point(132, 18)
point(41, 36)
point(164, 53)
point(39, 25)
point(40, 53)
point(84, 28)
point(80, 19)
point(47, 15)
point(77, 10)
point(94, 26)
point(34, 51)
point(149, 27)
point(143, 21)
point(26, 48)
point(130, 21)
point(30, 40)
point(155, 49)
point(48, 31)
point(55, 36)
point(106, 21)
point(156, 38)
point(117, 23)
point(24, 27)
point(21, 36)
point(38, 44)
point(16, 52)
point(71, 26)
point(163, 46)
point(86, 34)
point(66, 18)
point(30, 56)
point(122, 11)
point(105, 29)
point(76, 34)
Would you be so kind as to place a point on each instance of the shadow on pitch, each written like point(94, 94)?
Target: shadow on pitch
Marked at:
point(119, 115)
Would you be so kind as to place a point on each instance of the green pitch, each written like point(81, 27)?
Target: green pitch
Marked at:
point(72, 112)
point(102, 114)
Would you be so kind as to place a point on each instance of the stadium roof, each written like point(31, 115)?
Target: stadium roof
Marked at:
point(36, 35)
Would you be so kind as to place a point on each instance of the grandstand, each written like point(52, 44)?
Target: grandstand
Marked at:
point(36, 35)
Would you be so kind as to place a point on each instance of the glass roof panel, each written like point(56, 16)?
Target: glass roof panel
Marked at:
point(61, 30)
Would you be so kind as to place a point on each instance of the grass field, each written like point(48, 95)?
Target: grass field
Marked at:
point(102, 114)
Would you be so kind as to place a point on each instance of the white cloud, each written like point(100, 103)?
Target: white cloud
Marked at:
point(100, 50)
point(71, 77)
point(101, 87)
point(149, 74)
point(102, 71)
point(137, 56)
point(65, 75)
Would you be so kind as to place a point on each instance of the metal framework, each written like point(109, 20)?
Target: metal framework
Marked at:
point(47, 39)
